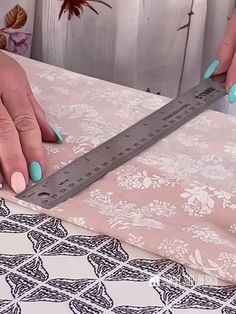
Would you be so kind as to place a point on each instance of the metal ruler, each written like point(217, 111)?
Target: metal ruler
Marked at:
point(88, 168)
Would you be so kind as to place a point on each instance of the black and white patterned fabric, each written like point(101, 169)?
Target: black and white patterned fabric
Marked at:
point(49, 266)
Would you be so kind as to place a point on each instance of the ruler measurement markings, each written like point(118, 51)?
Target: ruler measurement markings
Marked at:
point(86, 169)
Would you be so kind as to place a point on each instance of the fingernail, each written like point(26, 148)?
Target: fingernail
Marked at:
point(232, 94)
point(1, 186)
point(35, 171)
point(18, 182)
point(58, 135)
point(211, 69)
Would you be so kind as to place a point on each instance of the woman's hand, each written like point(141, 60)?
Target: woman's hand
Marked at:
point(23, 127)
point(226, 60)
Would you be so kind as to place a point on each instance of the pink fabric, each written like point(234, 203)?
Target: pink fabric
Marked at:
point(177, 199)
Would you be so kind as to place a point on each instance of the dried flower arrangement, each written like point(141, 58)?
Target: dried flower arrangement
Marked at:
point(75, 7)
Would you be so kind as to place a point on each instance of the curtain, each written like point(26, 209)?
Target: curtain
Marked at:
point(161, 46)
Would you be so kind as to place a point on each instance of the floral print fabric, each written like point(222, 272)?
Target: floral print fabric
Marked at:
point(177, 199)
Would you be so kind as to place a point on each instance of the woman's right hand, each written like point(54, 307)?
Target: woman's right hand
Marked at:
point(23, 127)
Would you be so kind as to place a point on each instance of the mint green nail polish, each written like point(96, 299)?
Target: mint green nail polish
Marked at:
point(211, 69)
point(232, 94)
point(35, 171)
point(58, 135)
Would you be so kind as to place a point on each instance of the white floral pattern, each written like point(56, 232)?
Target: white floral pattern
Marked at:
point(124, 214)
point(131, 178)
point(191, 140)
point(182, 165)
point(134, 240)
point(208, 235)
point(232, 228)
point(230, 148)
point(79, 221)
point(201, 200)
point(174, 249)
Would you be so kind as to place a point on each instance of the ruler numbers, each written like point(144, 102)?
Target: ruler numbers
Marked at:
point(88, 168)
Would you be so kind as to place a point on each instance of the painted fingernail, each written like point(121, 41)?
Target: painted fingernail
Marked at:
point(232, 94)
point(35, 171)
point(18, 182)
point(58, 135)
point(211, 69)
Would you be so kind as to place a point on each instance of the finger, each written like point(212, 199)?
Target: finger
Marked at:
point(21, 112)
point(49, 134)
point(227, 47)
point(225, 55)
point(231, 81)
point(13, 163)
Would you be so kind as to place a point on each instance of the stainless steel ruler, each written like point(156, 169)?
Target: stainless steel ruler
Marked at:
point(73, 178)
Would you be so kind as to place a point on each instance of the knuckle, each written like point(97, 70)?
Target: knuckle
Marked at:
point(25, 123)
point(6, 128)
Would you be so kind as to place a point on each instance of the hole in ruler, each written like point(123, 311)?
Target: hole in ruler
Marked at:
point(107, 147)
point(43, 195)
point(87, 159)
point(126, 135)
point(145, 124)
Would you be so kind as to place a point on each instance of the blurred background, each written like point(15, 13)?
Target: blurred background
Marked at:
point(161, 46)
